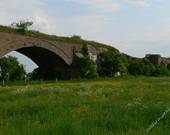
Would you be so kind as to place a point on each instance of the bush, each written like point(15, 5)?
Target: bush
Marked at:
point(41, 74)
point(22, 26)
point(168, 66)
point(10, 69)
point(76, 38)
point(111, 62)
point(141, 67)
point(161, 70)
point(37, 74)
point(87, 68)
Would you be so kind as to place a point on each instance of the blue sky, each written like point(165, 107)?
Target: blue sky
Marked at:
point(135, 27)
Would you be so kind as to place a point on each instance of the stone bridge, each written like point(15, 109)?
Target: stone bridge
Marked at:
point(48, 55)
point(156, 59)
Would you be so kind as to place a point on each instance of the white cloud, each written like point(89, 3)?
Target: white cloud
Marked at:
point(87, 24)
point(102, 5)
point(43, 22)
point(14, 10)
point(91, 26)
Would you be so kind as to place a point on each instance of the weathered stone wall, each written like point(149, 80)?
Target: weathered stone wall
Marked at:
point(13, 42)
point(48, 55)
point(156, 59)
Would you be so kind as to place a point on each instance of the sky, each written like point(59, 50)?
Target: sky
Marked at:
point(135, 27)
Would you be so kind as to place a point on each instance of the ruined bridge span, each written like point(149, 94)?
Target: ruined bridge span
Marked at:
point(16, 42)
point(157, 59)
point(47, 54)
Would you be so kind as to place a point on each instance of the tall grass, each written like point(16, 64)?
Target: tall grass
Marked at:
point(121, 106)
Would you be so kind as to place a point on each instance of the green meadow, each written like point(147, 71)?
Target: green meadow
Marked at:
point(117, 106)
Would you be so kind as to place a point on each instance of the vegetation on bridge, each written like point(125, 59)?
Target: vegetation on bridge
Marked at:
point(108, 64)
point(21, 29)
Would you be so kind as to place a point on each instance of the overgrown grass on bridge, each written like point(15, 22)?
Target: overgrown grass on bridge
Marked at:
point(72, 39)
point(122, 106)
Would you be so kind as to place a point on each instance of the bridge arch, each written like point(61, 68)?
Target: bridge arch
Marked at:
point(11, 42)
point(48, 55)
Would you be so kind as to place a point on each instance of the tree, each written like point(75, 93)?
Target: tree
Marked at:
point(87, 68)
point(168, 66)
point(36, 74)
point(111, 62)
point(141, 67)
point(22, 26)
point(135, 68)
point(161, 70)
point(11, 69)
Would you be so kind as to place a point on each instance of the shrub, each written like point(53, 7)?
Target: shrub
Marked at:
point(10, 69)
point(161, 71)
point(22, 26)
point(141, 67)
point(111, 62)
point(87, 68)
point(76, 38)
point(168, 66)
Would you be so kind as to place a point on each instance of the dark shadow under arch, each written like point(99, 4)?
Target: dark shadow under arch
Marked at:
point(51, 65)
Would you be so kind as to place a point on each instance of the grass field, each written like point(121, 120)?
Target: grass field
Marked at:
point(120, 106)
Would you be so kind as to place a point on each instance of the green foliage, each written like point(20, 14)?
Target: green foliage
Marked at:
point(111, 62)
point(11, 70)
point(141, 67)
point(121, 106)
point(123, 64)
point(145, 67)
point(73, 39)
point(168, 66)
point(85, 50)
point(76, 37)
point(37, 74)
point(22, 26)
point(87, 68)
point(161, 70)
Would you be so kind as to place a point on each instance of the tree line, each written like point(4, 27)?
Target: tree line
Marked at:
point(109, 63)
point(112, 62)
